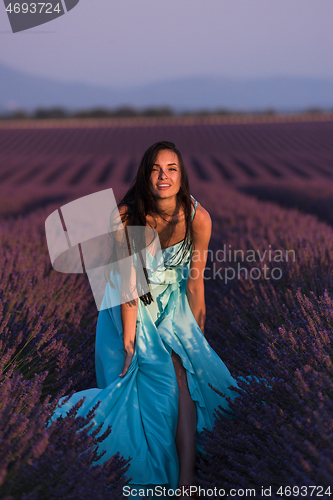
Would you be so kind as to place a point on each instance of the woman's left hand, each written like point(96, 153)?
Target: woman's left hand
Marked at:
point(127, 362)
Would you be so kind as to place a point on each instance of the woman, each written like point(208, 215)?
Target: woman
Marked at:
point(153, 364)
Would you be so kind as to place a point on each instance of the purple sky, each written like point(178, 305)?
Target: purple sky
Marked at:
point(128, 42)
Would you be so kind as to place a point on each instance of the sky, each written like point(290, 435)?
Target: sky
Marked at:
point(131, 42)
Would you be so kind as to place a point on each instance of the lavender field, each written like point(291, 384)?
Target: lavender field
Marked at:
point(268, 187)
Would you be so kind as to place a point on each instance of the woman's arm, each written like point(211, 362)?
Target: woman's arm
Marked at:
point(202, 228)
point(129, 313)
point(129, 305)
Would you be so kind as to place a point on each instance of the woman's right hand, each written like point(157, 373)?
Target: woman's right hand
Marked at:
point(129, 353)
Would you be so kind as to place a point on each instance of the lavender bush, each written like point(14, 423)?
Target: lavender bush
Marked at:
point(281, 333)
point(46, 346)
point(48, 319)
point(37, 462)
point(287, 440)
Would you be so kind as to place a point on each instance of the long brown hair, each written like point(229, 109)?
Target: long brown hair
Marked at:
point(139, 202)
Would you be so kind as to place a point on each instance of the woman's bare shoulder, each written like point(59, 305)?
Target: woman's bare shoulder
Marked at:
point(202, 223)
point(201, 216)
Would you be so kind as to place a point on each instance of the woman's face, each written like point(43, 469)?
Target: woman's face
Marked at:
point(165, 177)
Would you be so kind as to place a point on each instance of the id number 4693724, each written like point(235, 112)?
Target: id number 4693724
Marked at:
point(304, 491)
point(33, 8)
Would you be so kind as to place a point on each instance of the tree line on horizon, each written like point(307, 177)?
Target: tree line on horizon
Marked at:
point(132, 112)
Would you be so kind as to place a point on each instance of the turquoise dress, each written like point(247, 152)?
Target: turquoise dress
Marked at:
point(142, 407)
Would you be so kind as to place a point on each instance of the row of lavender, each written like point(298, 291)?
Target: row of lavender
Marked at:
point(276, 330)
point(231, 138)
point(71, 172)
point(100, 155)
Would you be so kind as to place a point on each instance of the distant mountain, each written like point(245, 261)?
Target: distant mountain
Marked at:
point(24, 91)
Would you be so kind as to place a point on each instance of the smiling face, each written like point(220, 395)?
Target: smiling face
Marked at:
point(165, 177)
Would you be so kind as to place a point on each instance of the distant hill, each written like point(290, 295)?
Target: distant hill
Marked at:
point(25, 91)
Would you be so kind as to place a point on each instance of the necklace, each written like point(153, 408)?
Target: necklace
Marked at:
point(166, 222)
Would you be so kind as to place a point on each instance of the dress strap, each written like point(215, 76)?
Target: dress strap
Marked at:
point(195, 207)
